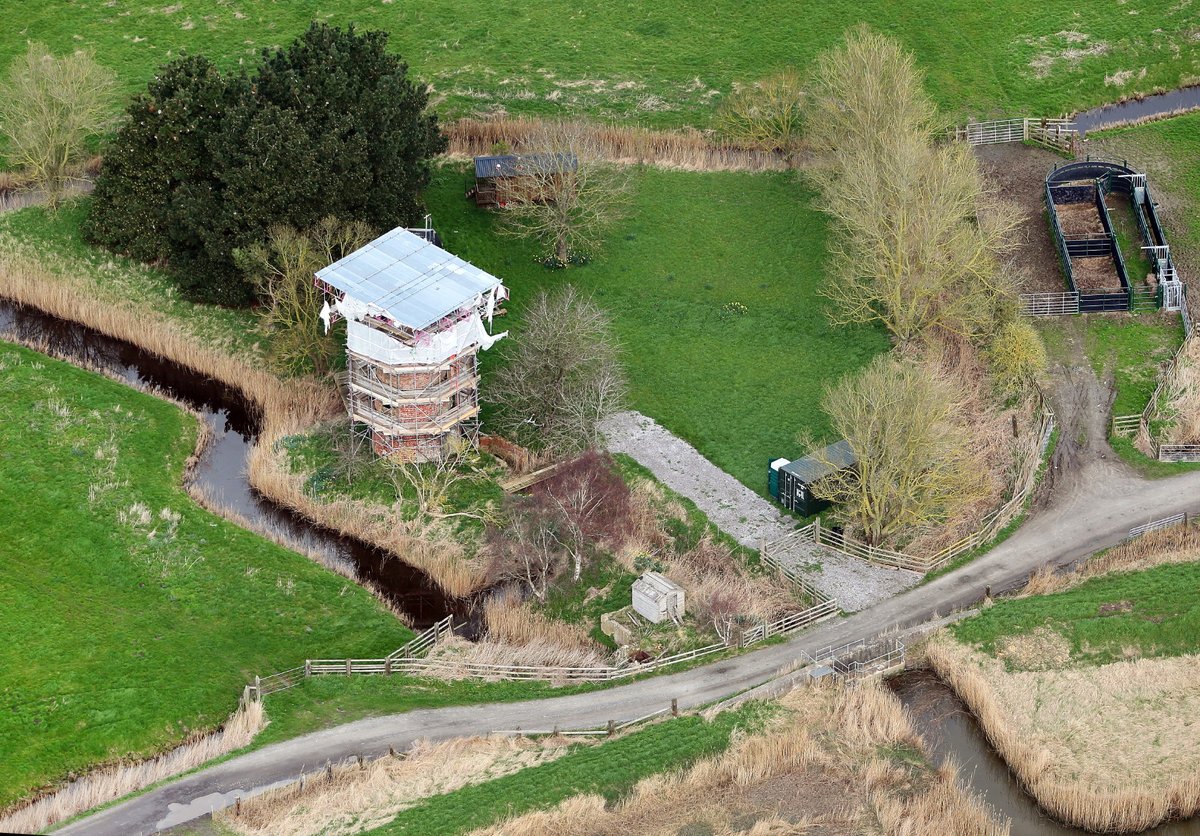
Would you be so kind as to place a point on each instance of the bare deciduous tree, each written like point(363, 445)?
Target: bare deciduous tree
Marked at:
point(432, 483)
point(282, 270)
point(920, 241)
point(529, 548)
point(566, 195)
point(48, 108)
point(561, 375)
point(865, 92)
point(767, 114)
point(595, 504)
point(915, 462)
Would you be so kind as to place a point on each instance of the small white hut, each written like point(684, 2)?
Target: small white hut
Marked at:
point(657, 598)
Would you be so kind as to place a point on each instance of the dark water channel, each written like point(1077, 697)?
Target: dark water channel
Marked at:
point(221, 473)
point(1160, 104)
point(950, 730)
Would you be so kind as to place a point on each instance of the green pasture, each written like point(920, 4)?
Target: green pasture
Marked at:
point(133, 617)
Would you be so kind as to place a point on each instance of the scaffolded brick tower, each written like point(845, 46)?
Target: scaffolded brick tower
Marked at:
point(414, 327)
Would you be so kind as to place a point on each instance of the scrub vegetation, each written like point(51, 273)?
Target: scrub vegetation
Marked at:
point(664, 64)
point(137, 617)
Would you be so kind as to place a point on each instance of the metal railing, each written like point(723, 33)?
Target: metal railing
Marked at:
point(1158, 525)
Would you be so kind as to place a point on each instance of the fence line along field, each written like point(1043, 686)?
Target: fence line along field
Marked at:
point(663, 63)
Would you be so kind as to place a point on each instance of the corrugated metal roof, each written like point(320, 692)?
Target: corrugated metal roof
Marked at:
point(413, 281)
point(510, 165)
point(820, 463)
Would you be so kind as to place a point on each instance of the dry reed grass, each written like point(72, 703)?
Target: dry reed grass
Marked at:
point(359, 798)
point(112, 782)
point(820, 765)
point(454, 656)
point(1178, 544)
point(284, 407)
point(685, 149)
point(1183, 395)
point(512, 621)
point(1080, 739)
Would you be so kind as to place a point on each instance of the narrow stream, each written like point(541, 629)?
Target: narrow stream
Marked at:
point(950, 730)
point(1160, 104)
point(221, 473)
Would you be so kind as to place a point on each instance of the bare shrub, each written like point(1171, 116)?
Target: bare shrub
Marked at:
point(528, 546)
point(1017, 357)
point(48, 108)
point(281, 270)
point(767, 114)
point(112, 782)
point(561, 376)
point(594, 503)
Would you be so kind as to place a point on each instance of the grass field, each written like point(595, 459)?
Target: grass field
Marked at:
point(1132, 348)
point(1152, 613)
point(610, 770)
point(133, 616)
point(737, 386)
point(662, 63)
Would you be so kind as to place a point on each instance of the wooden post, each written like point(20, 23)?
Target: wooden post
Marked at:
point(237, 806)
point(308, 667)
point(392, 751)
point(349, 669)
point(612, 728)
point(387, 667)
point(817, 531)
point(361, 764)
point(329, 770)
point(258, 686)
point(674, 707)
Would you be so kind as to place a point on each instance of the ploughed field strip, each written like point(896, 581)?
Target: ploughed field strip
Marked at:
point(748, 517)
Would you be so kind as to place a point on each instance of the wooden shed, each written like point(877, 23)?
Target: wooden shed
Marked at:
point(657, 598)
point(496, 174)
point(791, 482)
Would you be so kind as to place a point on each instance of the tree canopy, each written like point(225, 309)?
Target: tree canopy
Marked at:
point(206, 162)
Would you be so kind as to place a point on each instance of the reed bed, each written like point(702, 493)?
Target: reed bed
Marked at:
point(112, 782)
point(685, 149)
point(1183, 396)
point(283, 408)
point(1080, 739)
point(820, 765)
point(354, 798)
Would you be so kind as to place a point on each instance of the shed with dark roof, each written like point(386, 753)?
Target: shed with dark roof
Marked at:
point(791, 482)
point(493, 172)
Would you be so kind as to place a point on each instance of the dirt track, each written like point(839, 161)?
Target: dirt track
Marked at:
point(1018, 174)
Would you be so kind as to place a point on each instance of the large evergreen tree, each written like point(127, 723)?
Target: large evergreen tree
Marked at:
point(206, 162)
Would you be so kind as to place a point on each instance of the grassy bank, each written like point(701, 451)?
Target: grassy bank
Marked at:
point(736, 386)
point(138, 616)
point(1149, 613)
point(664, 64)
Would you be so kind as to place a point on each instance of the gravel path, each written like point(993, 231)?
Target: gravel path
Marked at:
point(746, 516)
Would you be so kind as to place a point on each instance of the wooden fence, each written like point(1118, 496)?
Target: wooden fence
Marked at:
point(814, 532)
point(411, 659)
point(1059, 134)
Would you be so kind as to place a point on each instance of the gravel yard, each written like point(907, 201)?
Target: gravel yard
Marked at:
point(748, 517)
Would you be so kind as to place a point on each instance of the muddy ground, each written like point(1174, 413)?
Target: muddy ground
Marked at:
point(1018, 174)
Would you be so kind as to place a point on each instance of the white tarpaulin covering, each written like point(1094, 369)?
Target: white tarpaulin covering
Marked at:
point(407, 279)
point(430, 350)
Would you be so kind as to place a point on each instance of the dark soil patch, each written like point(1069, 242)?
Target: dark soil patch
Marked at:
point(1018, 174)
point(1099, 273)
point(1115, 608)
point(1079, 219)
